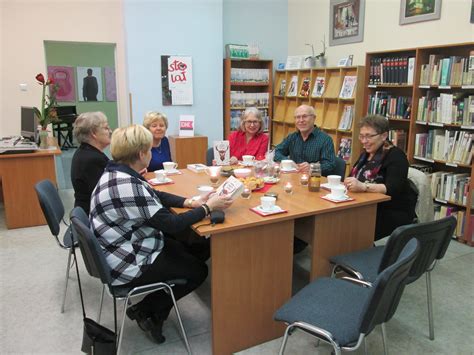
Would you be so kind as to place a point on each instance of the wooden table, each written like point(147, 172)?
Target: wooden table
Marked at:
point(19, 173)
point(252, 256)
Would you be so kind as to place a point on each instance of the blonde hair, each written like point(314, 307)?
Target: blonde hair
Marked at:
point(152, 117)
point(251, 111)
point(88, 123)
point(128, 142)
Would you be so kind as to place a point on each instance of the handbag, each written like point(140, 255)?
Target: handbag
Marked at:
point(96, 339)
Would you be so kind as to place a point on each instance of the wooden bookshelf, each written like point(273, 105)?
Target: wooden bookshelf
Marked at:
point(248, 85)
point(417, 150)
point(329, 107)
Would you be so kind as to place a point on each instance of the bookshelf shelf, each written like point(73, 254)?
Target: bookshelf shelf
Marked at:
point(433, 130)
point(329, 107)
point(247, 83)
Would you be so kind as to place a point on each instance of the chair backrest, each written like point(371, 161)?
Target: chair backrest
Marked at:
point(340, 168)
point(209, 156)
point(51, 205)
point(424, 205)
point(388, 288)
point(92, 253)
point(434, 238)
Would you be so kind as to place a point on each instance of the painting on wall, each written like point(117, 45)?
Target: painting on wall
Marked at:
point(89, 83)
point(412, 11)
point(64, 78)
point(346, 21)
point(110, 86)
point(176, 80)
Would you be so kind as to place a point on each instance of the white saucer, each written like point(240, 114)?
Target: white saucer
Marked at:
point(288, 170)
point(244, 163)
point(274, 209)
point(343, 198)
point(328, 186)
point(155, 181)
point(171, 171)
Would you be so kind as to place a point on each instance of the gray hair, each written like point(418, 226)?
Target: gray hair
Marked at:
point(251, 111)
point(379, 123)
point(88, 123)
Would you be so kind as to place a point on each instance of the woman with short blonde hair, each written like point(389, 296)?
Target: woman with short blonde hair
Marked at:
point(157, 124)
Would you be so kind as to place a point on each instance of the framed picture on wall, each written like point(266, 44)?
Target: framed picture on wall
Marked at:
point(89, 83)
point(110, 87)
point(64, 78)
point(412, 11)
point(346, 21)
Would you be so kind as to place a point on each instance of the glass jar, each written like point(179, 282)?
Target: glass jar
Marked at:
point(315, 177)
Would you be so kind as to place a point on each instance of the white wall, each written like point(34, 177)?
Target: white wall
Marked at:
point(25, 24)
point(308, 21)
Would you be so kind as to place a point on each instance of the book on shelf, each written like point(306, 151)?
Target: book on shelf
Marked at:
point(292, 89)
point(247, 75)
point(281, 91)
point(231, 186)
point(318, 89)
point(390, 106)
point(410, 70)
point(344, 150)
point(197, 168)
point(346, 119)
point(305, 87)
point(348, 86)
point(391, 70)
point(398, 138)
point(221, 152)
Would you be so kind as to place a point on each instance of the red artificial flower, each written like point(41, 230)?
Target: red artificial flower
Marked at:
point(50, 81)
point(40, 78)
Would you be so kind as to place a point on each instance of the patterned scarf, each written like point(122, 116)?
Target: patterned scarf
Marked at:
point(369, 170)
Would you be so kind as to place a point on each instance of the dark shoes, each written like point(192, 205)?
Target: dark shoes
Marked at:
point(147, 323)
point(156, 330)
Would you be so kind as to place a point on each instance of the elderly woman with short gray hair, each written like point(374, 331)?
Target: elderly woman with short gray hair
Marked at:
point(92, 132)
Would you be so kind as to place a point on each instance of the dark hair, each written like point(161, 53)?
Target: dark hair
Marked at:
point(379, 123)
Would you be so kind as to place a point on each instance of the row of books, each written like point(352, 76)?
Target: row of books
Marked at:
point(461, 216)
point(249, 99)
point(398, 138)
point(391, 70)
point(346, 118)
point(445, 145)
point(240, 75)
point(390, 106)
point(235, 115)
point(345, 147)
point(450, 187)
point(447, 71)
point(455, 108)
point(347, 89)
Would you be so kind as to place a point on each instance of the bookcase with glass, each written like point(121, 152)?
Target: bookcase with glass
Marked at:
point(247, 83)
point(335, 93)
point(427, 93)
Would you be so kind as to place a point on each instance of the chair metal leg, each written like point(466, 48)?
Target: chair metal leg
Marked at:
point(67, 279)
point(285, 339)
point(183, 331)
point(99, 312)
point(430, 304)
point(365, 345)
point(384, 339)
point(120, 335)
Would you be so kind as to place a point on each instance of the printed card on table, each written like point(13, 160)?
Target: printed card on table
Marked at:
point(186, 125)
point(232, 186)
point(221, 152)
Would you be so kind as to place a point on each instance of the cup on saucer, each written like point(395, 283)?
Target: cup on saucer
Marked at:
point(334, 180)
point(267, 203)
point(169, 166)
point(338, 192)
point(160, 176)
point(248, 159)
point(287, 164)
point(204, 190)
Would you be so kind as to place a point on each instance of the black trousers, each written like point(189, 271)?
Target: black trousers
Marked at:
point(389, 219)
point(174, 262)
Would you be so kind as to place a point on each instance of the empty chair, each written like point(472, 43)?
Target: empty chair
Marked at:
point(96, 265)
point(340, 168)
point(53, 210)
point(343, 313)
point(434, 238)
point(209, 156)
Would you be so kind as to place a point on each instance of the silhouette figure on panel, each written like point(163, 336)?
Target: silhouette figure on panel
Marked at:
point(90, 88)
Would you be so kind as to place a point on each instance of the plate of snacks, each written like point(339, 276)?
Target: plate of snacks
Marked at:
point(270, 180)
point(253, 182)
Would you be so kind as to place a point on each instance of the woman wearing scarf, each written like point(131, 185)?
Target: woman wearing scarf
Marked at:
point(383, 167)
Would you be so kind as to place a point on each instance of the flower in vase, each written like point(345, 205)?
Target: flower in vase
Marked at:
point(47, 111)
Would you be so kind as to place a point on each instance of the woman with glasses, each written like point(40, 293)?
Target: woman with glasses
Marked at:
point(249, 139)
point(383, 167)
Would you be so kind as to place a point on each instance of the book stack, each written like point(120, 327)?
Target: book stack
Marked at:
point(241, 99)
point(390, 106)
point(243, 75)
point(455, 108)
point(197, 168)
point(450, 187)
point(346, 119)
point(448, 71)
point(344, 150)
point(449, 146)
point(391, 70)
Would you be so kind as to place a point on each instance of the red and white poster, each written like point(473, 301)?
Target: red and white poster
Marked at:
point(177, 80)
point(186, 125)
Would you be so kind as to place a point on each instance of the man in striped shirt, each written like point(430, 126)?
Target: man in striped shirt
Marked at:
point(308, 144)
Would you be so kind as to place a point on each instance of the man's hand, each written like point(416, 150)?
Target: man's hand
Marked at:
point(303, 167)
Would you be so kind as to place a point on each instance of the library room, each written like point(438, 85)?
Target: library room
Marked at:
point(237, 177)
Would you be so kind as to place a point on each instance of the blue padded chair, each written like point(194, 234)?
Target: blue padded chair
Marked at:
point(53, 211)
point(340, 168)
point(209, 156)
point(434, 238)
point(343, 313)
point(97, 266)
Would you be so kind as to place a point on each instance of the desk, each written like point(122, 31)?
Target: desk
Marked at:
point(252, 256)
point(19, 174)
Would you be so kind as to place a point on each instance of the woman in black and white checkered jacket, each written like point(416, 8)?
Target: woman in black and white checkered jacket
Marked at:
point(131, 220)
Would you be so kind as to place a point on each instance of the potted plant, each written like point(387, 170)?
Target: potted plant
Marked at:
point(47, 112)
point(316, 60)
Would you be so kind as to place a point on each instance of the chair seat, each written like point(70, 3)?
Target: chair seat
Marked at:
point(365, 261)
point(315, 305)
point(122, 291)
point(69, 238)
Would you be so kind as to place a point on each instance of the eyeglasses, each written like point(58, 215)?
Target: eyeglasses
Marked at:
point(249, 123)
point(303, 117)
point(368, 137)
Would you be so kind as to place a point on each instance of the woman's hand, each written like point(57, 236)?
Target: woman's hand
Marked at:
point(233, 161)
point(216, 202)
point(354, 185)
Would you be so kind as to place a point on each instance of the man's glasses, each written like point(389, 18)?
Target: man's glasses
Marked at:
point(303, 117)
point(368, 137)
point(249, 123)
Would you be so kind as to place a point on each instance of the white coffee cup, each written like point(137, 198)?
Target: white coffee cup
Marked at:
point(160, 175)
point(248, 158)
point(204, 190)
point(169, 165)
point(334, 180)
point(338, 192)
point(267, 203)
point(287, 164)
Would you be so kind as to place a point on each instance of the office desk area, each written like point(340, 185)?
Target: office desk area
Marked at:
point(19, 173)
point(252, 256)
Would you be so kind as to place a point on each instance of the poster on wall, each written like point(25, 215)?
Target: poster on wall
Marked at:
point(176, 80)
point(110, 87)
point(89, 83)
point(64, 78)
point(346, 21)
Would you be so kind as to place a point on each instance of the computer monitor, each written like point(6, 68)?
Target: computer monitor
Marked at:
point(29, 123)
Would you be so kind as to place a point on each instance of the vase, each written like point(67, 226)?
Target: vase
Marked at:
point(43, 138)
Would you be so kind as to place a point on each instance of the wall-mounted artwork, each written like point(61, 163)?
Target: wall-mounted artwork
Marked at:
point(346, 21)
point(176, 80)
point(89, 83)
point(412, 11)
point(110, 87)
point(64, 78)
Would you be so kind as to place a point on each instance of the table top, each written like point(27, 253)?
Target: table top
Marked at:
point(300, 203)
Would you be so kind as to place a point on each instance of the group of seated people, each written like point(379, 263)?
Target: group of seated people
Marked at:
point(144, 242)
